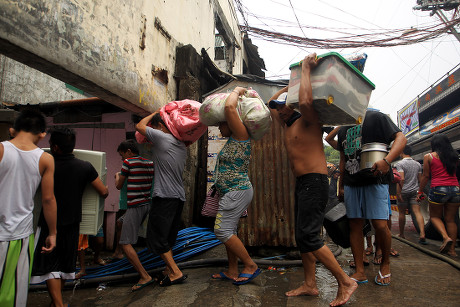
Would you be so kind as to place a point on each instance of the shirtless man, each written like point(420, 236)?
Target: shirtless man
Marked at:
point(304, 146)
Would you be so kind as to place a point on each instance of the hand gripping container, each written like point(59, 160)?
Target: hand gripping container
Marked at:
point(341, 92)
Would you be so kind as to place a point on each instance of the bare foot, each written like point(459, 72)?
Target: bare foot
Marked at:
point(452, 253)
point(80, 274)
point(344, 293)
point(303, 290)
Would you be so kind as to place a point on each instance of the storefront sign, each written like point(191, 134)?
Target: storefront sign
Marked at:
point(442, 122)
point(445, 87)
point(408, 118)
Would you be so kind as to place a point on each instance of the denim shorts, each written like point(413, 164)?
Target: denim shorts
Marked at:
point(444, 194)
point(368, 202)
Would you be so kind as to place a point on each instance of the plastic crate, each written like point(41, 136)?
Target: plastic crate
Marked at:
point(92, 203)
point(341, 93)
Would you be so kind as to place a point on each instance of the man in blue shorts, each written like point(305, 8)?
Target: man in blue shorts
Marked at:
point(366, 191)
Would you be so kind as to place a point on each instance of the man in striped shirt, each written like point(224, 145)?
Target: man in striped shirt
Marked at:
point(138, 172)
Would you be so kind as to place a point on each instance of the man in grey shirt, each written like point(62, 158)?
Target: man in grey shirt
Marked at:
point(411, 172)
point(169, 156)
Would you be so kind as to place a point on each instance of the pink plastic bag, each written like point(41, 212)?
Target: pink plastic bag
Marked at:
point(183, 120)
point(140, 138)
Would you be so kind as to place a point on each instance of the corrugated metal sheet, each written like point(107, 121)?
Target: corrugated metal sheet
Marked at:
point(270, 220)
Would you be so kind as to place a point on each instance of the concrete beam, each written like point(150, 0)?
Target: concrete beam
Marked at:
point(92, 45)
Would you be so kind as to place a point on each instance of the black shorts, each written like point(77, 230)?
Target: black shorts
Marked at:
point(164, 224)
point(64, 257)
point(311, 193)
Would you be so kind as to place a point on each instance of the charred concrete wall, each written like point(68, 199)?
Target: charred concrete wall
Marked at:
point(120, 51)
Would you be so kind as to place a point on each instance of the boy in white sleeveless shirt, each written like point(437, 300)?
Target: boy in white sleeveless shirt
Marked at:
point(23, 166)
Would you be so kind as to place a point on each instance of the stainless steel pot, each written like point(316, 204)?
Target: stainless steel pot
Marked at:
point(370, 153)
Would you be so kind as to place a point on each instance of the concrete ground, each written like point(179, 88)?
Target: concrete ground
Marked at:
point(418, 279)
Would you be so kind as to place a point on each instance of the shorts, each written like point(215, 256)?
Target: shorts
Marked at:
point(231, 206)
point(61, 262)
point(100, 233)
point(15, 262)
point(311, 191)
point(164, 224)
point(367, 202)
point(444, 194)
point(409, 199)
point(132, 220)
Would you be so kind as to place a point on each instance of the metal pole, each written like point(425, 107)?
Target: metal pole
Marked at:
point(446, 22)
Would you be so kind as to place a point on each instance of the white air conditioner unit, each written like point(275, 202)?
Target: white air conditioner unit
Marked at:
point(92, 203)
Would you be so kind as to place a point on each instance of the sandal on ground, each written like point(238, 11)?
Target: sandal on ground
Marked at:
point(369, 251)
point(248, 276)
point(360, 282)
point(222, 276)
point(377, 259)
point(141, 286)
point(166, 282)
point(422, 241)
point(446, 245)
point(353, 265)
point(394, 253)
point(382, 277)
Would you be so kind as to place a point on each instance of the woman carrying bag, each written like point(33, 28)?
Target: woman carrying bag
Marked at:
point(444, 197)
point(232, 183)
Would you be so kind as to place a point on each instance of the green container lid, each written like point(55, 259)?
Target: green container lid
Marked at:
point(329, 54)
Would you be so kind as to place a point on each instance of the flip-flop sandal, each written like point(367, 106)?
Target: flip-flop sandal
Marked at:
point(369, 252)
point(222, 277)
point(394, 253)
point(166, 282)
point(376, 259)
point(80, 275)
point(353, 265)
point(248, 276)
point(360, 282)
point(141, 286)
point(382, 277)
point(445, 247)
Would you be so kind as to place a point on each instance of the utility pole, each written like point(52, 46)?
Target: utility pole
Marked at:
point(435, 6)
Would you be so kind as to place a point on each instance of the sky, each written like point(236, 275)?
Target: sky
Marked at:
point(399, 73)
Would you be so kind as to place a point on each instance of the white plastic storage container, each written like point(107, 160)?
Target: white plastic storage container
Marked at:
point(341, 92)
point(92, 213)
point(92, 204)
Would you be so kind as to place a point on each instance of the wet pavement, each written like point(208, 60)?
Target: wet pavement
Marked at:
point(420, 277)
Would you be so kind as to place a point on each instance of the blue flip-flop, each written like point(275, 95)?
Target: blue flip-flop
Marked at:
point(248, 276)
point(222, 277)
point(382, 277)
point(360, 282)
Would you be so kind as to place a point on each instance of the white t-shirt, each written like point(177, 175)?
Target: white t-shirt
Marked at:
point(19, 180)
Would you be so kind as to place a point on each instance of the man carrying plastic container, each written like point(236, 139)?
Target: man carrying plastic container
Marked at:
point(304, 145)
